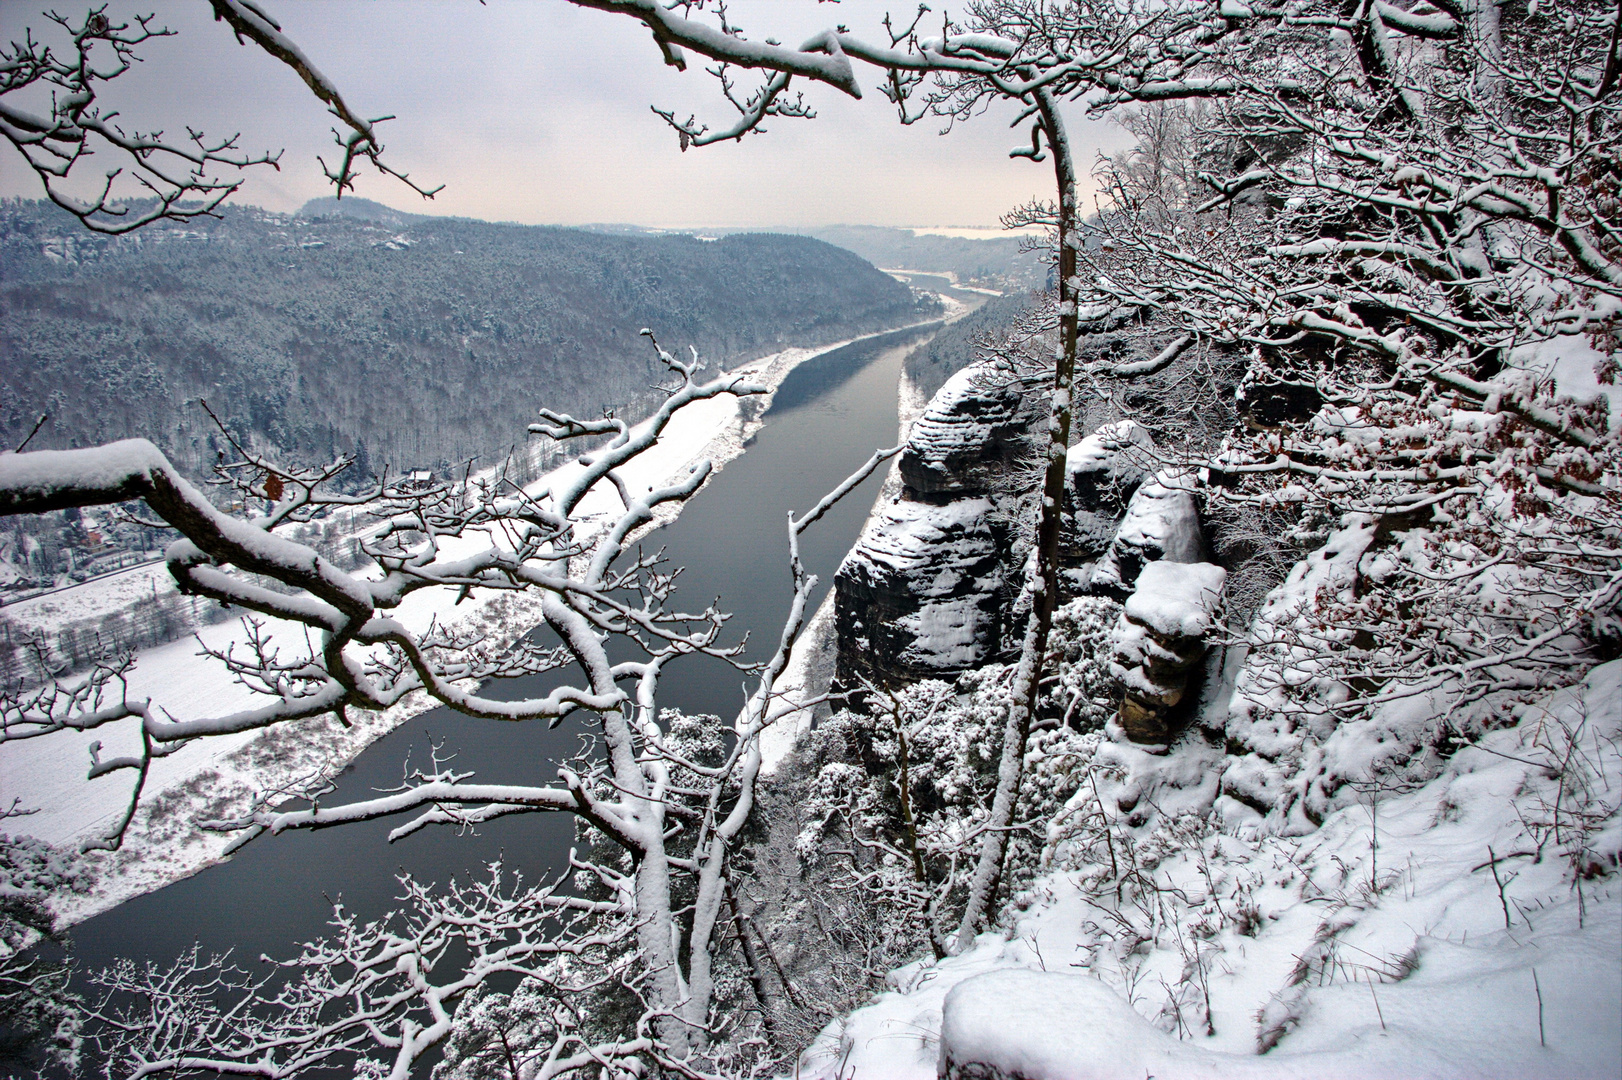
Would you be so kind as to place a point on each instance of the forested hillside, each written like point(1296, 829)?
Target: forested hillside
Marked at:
point(955, 347)
point(410, 342)
point(995, 260)
point(1004, 257)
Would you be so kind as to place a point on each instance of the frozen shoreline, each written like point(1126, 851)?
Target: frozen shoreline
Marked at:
point(219, 776)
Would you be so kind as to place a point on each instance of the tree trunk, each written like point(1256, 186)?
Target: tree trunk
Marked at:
point(1041, 584)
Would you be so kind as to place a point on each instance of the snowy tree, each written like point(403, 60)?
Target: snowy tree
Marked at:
point(1365, 235)
point(1342, 262)
point(668, 821)
point(1405, 244)
point(176, 179)
point(39, 1020)
point(897, 792)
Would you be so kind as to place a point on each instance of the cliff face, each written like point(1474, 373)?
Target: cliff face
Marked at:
point(967, 439)
point(1104, 470)
point(922, 593)
point(928, 589)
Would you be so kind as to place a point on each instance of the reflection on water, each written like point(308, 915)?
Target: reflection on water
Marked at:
point(810, 381)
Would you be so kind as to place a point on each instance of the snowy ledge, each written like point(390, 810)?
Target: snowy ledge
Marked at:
point(1376, 947)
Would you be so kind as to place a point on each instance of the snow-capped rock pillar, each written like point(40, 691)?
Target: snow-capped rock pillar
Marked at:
point(1158, 640)
point(921, 593)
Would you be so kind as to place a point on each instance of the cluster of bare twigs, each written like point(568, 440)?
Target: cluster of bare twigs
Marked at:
point(666, 810)
point(1333, 296)
point(50, 111)
point(1374, 242)
point(98, 50)
point(202, 1013)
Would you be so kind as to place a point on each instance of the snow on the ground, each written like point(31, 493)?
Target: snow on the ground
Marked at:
point(808, 674)
point(911, 401)
point(1380, 946)
point(208, 778)
point(217, 777)
point(91, 599)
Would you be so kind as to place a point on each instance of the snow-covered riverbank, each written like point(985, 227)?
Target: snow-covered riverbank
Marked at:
point(811, 668)
point(218, 777)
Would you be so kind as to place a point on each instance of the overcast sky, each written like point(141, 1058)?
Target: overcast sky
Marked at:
point(539, 112)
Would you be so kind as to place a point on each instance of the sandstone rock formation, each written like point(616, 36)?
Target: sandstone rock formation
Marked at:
point(1158, 641)
point(967, 438)
point(1162, 522)
point(928, 590)
point(1103, 470)
point(921, 594)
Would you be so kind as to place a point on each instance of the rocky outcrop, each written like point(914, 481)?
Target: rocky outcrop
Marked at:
point(919, 595)
point(966, 439)
point(1103, 471)
point(928, 590)
point(1158, 641)
point(1162, 522)
point(922, 593)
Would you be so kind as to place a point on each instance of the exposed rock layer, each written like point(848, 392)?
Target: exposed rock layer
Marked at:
point(930, 586)
point(922, 593)
point(1158, 640)
point(968, 437)
point(1161, 522)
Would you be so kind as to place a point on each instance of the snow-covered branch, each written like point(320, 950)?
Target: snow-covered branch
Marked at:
point(665, 801)
point(51, 112)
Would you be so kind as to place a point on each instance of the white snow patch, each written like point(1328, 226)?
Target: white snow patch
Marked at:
point(1378, 946)
point(1100, 449)
point(1177, 599)
point(1573, 363)
point(92, 599)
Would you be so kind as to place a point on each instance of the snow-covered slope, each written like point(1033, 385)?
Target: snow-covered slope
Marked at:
point(1469, 926)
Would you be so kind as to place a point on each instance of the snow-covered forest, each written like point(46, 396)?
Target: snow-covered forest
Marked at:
point(1228, 681)
point(283, 323)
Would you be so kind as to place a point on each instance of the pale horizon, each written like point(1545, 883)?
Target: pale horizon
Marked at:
point(542, 114)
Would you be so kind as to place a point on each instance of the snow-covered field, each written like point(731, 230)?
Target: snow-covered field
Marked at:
point(217, 777)
point(92, 599)
point(1459, 929)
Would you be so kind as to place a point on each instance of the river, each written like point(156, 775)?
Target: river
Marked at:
point(827, 417)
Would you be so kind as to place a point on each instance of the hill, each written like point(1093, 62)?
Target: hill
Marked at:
point(413, 340)
point(998, 259)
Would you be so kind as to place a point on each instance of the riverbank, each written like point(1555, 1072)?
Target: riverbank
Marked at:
point(811, 668)
point(219, 777)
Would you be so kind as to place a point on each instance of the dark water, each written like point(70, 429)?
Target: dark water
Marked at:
point(829, 415)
